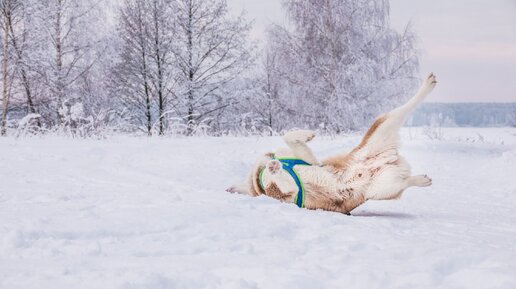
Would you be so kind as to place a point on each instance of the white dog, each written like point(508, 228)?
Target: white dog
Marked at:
point(374, 170)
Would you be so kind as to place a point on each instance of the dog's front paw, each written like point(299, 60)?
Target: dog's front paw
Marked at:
point(299, 136)
point(274, 166)
point(238, 188)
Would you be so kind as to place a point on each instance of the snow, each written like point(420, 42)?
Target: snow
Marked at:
point(128, 212)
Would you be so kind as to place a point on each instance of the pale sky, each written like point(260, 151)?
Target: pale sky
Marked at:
point(469, 44)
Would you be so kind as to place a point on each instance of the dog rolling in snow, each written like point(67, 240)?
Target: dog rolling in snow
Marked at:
point(373, 170)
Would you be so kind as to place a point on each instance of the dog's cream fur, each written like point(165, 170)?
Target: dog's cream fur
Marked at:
point(374, 170)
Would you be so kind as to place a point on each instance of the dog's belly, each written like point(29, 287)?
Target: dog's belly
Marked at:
point(345, 189)
point(324, 190)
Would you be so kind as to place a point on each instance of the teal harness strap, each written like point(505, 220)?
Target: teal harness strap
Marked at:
point(288, 165)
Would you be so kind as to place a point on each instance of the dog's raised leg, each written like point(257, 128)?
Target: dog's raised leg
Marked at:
point(296, 141)
point(396, 117)
point(384, 133)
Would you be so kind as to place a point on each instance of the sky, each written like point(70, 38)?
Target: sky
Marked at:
point(469, 44)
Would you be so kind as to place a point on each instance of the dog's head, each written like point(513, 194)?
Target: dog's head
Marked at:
point(269, 178)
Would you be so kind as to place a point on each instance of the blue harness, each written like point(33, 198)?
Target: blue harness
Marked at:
point(288, 165)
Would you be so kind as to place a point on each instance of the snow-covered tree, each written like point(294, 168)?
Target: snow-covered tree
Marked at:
point(143, 76)
point(6, 17)
point(161, 34)
point(65, 65)
point(70, 42)
point(262, 95)
point(131, 78)
point(342, 61)
point(53, 45)
point(211, 50)
point(23, 40)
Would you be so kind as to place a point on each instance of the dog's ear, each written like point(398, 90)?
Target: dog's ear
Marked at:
point(255, 189)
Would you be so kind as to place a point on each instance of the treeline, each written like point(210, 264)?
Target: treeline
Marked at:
point(190, 67)
point(464, 115)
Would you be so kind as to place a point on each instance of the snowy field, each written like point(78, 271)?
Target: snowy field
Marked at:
point(131, 213)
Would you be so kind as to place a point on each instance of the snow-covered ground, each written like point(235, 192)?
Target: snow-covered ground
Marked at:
point(131, 212)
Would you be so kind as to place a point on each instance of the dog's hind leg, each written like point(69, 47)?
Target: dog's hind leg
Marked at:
point(391, 186)
point(419, 181)
point(296, 141)
point(383, 134)
point(398, 115)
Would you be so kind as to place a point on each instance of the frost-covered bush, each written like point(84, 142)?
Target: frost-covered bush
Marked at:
point(75, 122)
point(182, 126)
point(29, 125)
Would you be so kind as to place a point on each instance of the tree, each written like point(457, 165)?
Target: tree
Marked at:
point(262, 96)
point(19, 33)
point(210, 50)
point(67, 48)
point(53, 46)
point(142, 77)
point(342, 62)
point(161, 37)
point(131, 80)
point(6, 10)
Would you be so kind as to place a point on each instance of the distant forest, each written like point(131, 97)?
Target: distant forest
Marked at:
point(464, 115)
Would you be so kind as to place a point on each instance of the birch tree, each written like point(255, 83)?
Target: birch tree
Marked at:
point(70, 43)
point(21, 38)
point(6, 10)
point(262, 98)
point(211, 50)
point(143, 77)
point(18, 41)
point(161, 37)
point(131, 75)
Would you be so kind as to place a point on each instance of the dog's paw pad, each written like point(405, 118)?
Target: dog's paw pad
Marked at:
point(274, 166)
